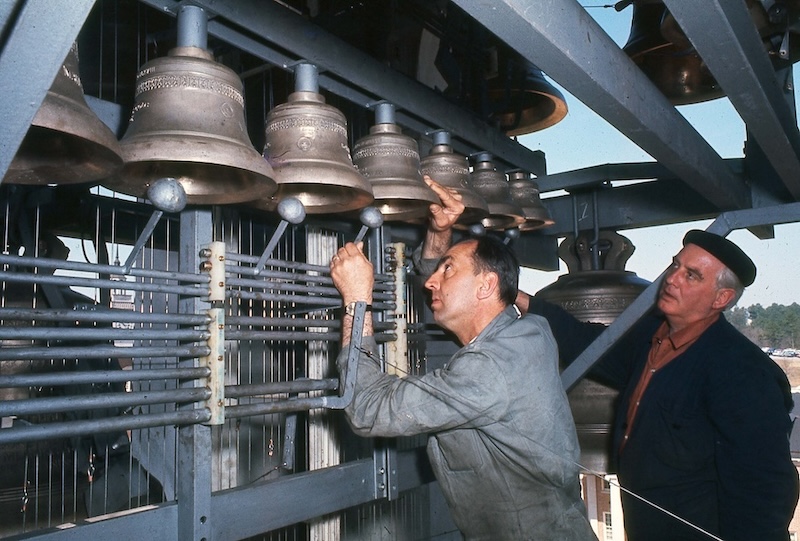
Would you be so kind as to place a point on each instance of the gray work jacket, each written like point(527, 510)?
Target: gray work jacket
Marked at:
point(502, 441)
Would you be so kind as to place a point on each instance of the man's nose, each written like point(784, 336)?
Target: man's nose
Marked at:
point(431, 283)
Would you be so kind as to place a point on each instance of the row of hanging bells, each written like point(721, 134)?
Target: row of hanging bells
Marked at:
point(207, 149)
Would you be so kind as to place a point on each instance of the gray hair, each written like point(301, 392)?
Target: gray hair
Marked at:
point(726, 279)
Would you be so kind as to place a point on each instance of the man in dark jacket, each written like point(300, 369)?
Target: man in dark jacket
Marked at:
point(702, 421)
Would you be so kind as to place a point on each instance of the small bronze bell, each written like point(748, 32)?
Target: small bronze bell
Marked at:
point(188, 123)
point(493, 187)
point(390, 161)
point(451, 170)
point(66, 142)
point(306, 143)
point(525, 193)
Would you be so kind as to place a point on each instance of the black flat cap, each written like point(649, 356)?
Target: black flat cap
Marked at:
point(731, 255)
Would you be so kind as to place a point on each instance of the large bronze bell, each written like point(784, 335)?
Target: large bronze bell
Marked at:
point(66, 142)
point(521, 99)
point(306, 143)
point(451, 170)
point(663, 52)
point(188, 123)
point(525, 193)
point(492, 185)
point(596, 289)
point(390, 161)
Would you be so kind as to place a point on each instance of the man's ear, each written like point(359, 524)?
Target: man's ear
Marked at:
point(724, 296)
point(488, 286)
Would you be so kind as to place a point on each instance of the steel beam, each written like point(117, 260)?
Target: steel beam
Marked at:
point(726, 39)
point(564, 41)
point(645, 204)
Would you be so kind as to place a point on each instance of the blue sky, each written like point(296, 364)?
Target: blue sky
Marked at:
point(583, 139)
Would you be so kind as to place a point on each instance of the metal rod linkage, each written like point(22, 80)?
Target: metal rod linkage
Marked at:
point(283, 286)
point(236, 321)
point(95, 333)
point(143, 238)
point(100, 314)
point(68, 429)
point(60, 264)
point(282, 387)
point(101, 283)
point(60, 404)
point(33, 354)
point(54, 379)
point(299, 336)
point(314, 279)
point(295, 265)
point(318, 302)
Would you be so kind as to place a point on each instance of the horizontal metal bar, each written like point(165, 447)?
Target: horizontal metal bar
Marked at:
point(100, 333)
point(321, 302)
point(281, 286)
point(295, 265)
point(94, 352)
point(60, 404)
point(333, 488)
point(293, 335)
point(100, 314)
point(281, 387)
point(100, 283)
point(244, 322)
point(236, 321)
point(278, 406)
point(48, 431)
point(237, 270)
point(52, 379)
point(297, 288)
point(151, 522)
point(45, 263)
point(282, 335)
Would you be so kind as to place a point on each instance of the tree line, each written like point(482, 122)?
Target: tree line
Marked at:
point(776, 326)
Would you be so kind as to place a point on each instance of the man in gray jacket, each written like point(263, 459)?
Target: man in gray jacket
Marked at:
point(502, 441)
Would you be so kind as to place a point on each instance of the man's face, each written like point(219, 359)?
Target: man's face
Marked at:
point(689, 291)
point(454, 286)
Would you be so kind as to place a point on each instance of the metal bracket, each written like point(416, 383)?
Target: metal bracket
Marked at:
point(215, 362)
point(215, 255)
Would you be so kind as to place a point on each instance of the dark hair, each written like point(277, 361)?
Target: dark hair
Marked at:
point(492, 255)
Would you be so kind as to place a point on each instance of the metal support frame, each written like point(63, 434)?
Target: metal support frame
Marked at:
point(724, 224)
point(194, 441)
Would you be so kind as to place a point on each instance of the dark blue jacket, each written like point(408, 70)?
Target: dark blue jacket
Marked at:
point(710, 439)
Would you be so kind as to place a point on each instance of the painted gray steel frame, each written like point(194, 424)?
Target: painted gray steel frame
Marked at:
point(564, 41)
point(724, 224)
point(726, 38)
point(29, 61)
point(194, 441)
